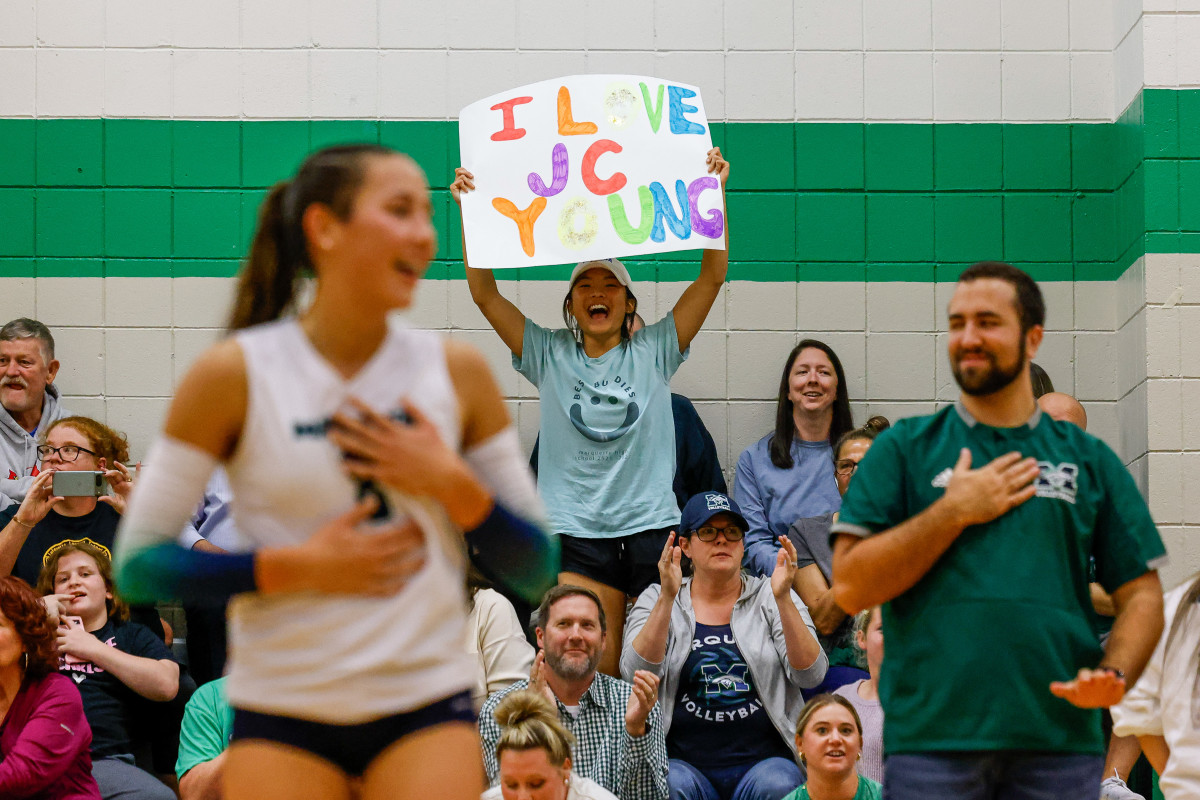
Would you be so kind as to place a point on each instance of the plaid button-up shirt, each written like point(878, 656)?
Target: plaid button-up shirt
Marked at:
point(632, 769)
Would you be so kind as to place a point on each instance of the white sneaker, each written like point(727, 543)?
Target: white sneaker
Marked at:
point(1115, 789)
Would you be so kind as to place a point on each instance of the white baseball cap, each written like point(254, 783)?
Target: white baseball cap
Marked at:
point(611, 264)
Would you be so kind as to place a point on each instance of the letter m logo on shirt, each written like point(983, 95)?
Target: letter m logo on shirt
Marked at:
point(719, 681)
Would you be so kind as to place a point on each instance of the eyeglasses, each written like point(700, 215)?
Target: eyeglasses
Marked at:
point(708, 533)
point(68, 452)
point(845, 467)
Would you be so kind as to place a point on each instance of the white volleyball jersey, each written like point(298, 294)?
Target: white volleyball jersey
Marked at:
point(340, 659)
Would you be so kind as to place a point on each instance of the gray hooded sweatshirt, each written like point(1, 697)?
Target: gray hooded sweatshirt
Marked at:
point(18, 450)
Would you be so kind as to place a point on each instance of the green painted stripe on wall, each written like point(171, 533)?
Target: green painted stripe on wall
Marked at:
point(807, 201)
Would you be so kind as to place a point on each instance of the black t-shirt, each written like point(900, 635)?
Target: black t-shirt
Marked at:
point(719, 720)
point(98, 526)
point(110, 706)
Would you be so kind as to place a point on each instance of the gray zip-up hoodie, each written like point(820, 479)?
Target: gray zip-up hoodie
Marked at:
point(759, 635)
point(18, 450)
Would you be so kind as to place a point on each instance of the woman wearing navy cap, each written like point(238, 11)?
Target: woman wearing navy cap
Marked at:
point(733, 651)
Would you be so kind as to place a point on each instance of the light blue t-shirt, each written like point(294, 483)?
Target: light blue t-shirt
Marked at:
point(607, 454)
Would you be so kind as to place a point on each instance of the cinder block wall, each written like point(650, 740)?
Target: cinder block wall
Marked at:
point(878, 147)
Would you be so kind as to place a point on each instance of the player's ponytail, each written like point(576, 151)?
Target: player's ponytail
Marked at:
point(279, 254)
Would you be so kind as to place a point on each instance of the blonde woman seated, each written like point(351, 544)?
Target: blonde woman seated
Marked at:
point(829, 740)
point(534, 753)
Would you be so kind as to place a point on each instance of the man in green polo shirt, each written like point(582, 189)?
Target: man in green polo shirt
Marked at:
point(993, 675)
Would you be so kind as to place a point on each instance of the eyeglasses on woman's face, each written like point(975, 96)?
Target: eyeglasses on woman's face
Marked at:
point(845, 466)
point(68, 452)
point(709, 533)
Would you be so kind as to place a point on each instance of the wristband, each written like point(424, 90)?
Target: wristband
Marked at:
point(1118, 672)
point(21, 522)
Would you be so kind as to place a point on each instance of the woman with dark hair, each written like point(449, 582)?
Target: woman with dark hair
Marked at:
point(44, 736)
point(788, 474)
point(606, 433)
point(829, 739)
point(359, 450)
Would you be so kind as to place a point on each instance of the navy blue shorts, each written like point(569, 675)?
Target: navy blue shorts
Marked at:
point(628, 563)
point(351, 748)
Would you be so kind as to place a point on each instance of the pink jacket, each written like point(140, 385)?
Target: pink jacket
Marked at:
point(44, 741)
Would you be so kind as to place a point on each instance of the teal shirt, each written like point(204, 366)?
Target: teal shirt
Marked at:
point(867, 790)
point(206, 728)
point(606, 461)
point(973, 646)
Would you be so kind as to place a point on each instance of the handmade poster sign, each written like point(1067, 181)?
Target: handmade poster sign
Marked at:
point(589, 166)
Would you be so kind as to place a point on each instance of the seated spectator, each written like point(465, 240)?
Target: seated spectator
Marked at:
point(496, 639)
point(1163, 708)
point(815, 560)
point(32, 531)
point(203, 739)
point(534, 754)
point(864, 694)
point(732, 652)
point(617, 725)
point(28, 402)
point(116, 664)
point(788, 475)
point(829, 737)
point(44, 736)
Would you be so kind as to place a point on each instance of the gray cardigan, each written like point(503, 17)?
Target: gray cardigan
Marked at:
point(759, 635)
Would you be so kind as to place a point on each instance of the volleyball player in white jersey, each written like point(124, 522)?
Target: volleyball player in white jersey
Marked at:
point(346, 658)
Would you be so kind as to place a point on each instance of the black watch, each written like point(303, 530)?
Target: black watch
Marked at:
point(1118, 672)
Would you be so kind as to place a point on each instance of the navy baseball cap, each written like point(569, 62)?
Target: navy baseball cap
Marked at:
point(706, 505)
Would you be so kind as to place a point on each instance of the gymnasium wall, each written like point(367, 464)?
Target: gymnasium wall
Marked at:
point(877, 147)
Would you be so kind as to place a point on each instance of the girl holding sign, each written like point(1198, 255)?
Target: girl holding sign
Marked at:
point(606, 459)
point(359, 451)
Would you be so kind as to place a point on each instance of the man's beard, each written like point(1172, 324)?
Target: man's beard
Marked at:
point(572, 670)
point(991, 380)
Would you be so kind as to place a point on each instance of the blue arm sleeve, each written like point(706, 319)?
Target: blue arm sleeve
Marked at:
point(515, 553)
point(167, 571)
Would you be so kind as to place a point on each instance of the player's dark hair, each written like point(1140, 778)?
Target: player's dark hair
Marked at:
point(279, 250)
point(1029, 303)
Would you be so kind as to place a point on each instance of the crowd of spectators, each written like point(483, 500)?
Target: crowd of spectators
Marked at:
point(730, 672)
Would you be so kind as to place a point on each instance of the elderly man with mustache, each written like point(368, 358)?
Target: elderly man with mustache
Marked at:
point(29, 400)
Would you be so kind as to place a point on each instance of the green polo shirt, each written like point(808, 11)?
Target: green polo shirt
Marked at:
point(973, 646)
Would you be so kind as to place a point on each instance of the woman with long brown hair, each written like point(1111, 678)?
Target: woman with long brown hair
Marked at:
point(788, 474)
point(358, 450)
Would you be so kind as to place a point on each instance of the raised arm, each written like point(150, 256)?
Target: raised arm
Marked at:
point(693, 306)
point(803, 650)
point(504, 317)
point(33, 509)
point(873, 570)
